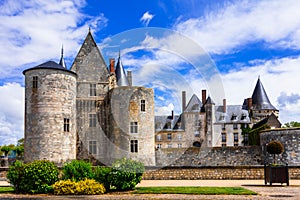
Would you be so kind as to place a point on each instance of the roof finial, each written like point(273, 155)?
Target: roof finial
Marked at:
point(258, 76)
point(89, 29)
point(62, 60)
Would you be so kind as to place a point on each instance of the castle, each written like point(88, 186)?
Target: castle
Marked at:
point(93, 111)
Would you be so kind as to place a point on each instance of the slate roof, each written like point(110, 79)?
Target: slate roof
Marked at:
point(120, 74)
point(165, 119)
point(49, 65)
point(194, 104)
point(260, 100)
point(267, 120)
point(234, 114)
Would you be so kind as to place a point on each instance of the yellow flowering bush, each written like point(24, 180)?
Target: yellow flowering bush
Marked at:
point(83, 187)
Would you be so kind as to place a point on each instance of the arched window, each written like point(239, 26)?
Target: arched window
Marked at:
point(197, 144)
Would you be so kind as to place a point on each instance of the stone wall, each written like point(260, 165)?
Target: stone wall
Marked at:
point(214, 173)
point(290, 140)
point(214, 156)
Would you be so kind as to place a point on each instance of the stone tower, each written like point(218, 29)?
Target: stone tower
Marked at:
point(50, 113)
point(92, 87)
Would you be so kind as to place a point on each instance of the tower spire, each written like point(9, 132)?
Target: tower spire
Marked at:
point(62, 60)
point(120, 73)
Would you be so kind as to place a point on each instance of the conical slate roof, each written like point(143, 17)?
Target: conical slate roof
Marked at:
point(49, 65)
point(194, 104)
point(260, 100)
point(62, 60)
point(120, 74)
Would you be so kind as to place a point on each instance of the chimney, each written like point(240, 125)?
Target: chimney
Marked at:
point(249, 103)
point(129, 78)
point(172, 115)
point(224, 105)
point(112, 65)
point(183, 100)
point(203, 96)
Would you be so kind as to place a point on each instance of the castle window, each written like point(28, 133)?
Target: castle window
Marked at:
point(196, 134)
point(179, 137)
point(233, 117)
point(133, 127)
point(92, 89)
point(235, 126)
point(243, 117)
point(34, 82)
point(66, 125)
point(179, 145)
point(93, 147)
point(92, 120)
point(133, 146)
point(246, 139)
point(143, 105)
point(158, 146)
point(169, 136)
point(198, 123)
point(235, 139)
point(223, 139)
point(158, 137)
point(223, 127)
point(169, 145)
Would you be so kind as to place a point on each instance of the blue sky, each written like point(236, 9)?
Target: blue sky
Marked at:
point(172, 45)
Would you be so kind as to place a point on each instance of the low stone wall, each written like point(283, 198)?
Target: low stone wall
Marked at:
point(214, 173)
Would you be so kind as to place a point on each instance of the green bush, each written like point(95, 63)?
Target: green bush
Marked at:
point(77, 170)
point(101, 175)
point(15, 174)
point(83, 187)
point(35, 177)
point(126, 174)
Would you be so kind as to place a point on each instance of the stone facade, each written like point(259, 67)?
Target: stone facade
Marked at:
point(290, 140)
point(49, 109)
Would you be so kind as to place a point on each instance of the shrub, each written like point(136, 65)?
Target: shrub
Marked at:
point(101, 174)
point(275, 147)
point(38, 177)
point(77, 170)
point(126, 174)
point(83, 187)
point(15, 174)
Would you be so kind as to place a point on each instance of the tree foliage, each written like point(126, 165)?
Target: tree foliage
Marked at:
point(291, 124)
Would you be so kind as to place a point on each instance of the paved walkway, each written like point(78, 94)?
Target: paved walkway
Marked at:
point(275, 192)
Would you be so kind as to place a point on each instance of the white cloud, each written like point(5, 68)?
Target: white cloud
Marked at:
point(146, 18)
point(33, 31)
point(11, 113)
point(229, 28)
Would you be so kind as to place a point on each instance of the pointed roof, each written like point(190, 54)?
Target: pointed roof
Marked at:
point(194, 104)
point(62, 60)
point(120, 74)
point(260, 100)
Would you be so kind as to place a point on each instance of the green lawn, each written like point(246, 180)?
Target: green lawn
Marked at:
point(6, 190)
point(195, 190)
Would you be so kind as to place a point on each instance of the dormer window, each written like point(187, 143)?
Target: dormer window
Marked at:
point(222, 117)
point(243, 117)
point(234, 116)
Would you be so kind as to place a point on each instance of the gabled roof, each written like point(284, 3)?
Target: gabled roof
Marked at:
point(163, 120)
point(194, 104)
point(271, 120)
point(49, 65)
point(260, 100)
point(120, 74)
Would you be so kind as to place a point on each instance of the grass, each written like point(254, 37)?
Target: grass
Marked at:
point(6, 190)
point(195, 190)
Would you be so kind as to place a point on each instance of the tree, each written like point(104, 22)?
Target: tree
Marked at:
point(275, 147)
point(291, 124)
point(6, 149)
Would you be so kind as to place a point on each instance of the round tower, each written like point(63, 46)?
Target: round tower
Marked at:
point(50, 113)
